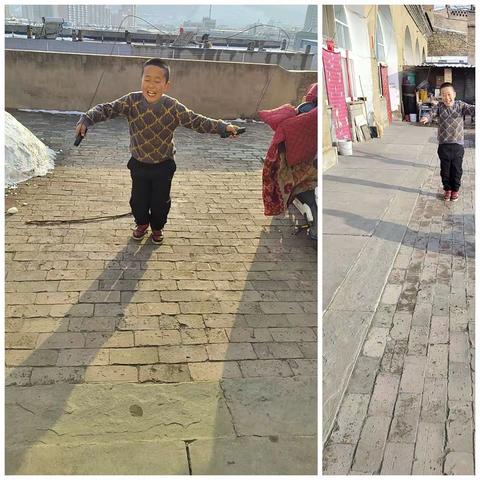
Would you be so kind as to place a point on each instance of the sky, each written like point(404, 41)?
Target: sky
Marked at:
point(225, 15)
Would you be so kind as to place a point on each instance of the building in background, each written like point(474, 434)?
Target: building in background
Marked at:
point(310, 28)
point(453, 31)
point(123, 15)
point(34, 13)
point(311, 19)
point(365, 50)
point(83, 15)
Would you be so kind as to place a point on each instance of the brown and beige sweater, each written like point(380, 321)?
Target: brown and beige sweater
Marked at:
point(152, 124)
point(450, 121)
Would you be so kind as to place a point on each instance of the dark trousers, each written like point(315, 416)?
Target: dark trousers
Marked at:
point(451, 159)
point(151, 184)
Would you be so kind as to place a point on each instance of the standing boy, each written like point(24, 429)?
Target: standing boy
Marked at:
point(450, 113)
point(152, 118)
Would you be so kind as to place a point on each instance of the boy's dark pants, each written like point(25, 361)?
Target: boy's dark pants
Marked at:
point(451, 158)
point(151, 183)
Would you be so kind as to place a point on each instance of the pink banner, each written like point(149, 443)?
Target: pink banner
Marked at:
point(332, 69)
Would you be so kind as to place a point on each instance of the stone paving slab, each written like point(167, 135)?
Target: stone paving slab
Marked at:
point(409, 403)
point(229, 297)
point(270, 406)
point(70, 414)
point(144, 458)
point(252, 455)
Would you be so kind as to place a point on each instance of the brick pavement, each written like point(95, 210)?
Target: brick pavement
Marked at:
point(408, 408)
point(230, 294)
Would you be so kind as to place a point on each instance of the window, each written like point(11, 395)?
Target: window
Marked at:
point(342, 35)
point(348, 74)
point(380, 42)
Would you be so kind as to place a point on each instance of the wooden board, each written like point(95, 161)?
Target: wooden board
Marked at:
point(360, 120)
point(366, 132)
point(361, 127)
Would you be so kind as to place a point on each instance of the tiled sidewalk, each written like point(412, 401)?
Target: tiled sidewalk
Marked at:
point(408, 408)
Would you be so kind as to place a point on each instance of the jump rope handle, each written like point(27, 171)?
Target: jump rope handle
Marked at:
point(78, 139)
point(240, 130)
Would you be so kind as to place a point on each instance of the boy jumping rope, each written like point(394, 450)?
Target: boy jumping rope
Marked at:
point(152, 117)
point(450, 113)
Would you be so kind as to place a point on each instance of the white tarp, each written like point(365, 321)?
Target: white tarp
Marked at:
point(25, 155)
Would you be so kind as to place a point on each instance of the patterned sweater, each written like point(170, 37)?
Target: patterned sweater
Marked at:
point(152, 124)
point(450, 120)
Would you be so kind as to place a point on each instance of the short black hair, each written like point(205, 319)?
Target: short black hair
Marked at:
point(446, 85)
point(158, 62)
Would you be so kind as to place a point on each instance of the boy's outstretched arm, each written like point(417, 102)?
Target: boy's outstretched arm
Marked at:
point(468, 109)
point(101, 113)
point(201, 124)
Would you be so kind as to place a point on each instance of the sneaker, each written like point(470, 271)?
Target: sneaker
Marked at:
point(139, 232)
point(157, 237)
point(447, 195)
point(454, 196)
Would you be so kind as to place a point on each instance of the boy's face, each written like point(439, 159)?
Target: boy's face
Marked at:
point(154, 84)
point(448, 96)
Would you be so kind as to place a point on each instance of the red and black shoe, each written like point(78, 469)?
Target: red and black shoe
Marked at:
point(454, 196)
point(447, 195)
point(157, 237)
point(139, 232)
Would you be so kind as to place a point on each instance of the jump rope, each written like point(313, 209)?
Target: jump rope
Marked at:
point(79, 139)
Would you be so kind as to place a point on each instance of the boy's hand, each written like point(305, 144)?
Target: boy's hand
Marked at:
point(230, 128)
point(424, 120)
point(81, 129)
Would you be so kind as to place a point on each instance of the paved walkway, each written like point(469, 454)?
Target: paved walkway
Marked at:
point(408, 406)
point(197, 356)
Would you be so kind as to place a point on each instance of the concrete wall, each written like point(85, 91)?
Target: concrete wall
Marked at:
point(60, 81)
point(401, 19)
point(391, 56)
point(288, 60)
point(360, 53)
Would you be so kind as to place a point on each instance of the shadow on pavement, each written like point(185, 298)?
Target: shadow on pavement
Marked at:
point(369, 183)
point(27, 427)
point(358, 154)
point(432, 242)
point(273, 404)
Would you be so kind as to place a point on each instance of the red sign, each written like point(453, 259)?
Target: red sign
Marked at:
point(332, 69)
point(386, 90)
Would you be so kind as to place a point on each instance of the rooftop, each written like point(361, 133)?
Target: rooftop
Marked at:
point(100, 325)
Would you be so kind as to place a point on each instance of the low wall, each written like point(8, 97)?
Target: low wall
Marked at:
point(66, 81)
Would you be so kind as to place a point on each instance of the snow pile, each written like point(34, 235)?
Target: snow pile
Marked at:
point(25, 155)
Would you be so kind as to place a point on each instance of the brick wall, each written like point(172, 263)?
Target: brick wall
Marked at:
point(471, 44)
point(336, 93)
point(447, 43)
